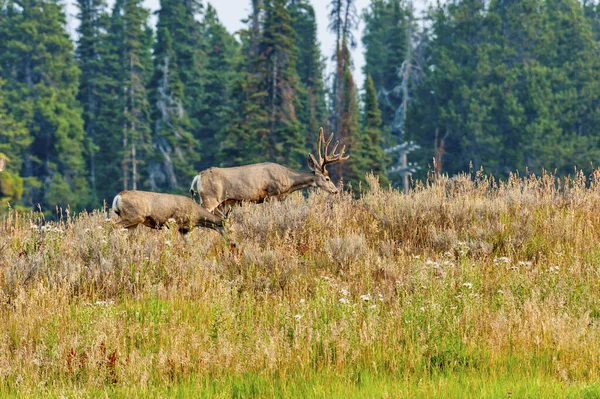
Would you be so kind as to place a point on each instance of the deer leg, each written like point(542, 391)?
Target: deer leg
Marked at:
point(217, 211)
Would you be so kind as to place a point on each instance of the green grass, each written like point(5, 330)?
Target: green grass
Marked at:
point(342, 386)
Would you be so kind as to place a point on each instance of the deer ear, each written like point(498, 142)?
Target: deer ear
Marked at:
point(312, 163)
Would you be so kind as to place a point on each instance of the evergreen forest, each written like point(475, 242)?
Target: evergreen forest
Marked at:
point(504, 85)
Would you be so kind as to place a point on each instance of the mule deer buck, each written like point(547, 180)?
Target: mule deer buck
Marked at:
point(257, 182)
point(156, 210)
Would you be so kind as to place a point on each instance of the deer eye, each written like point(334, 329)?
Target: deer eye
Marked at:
point(327, 178)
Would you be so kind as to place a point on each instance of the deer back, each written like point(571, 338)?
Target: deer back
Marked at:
point(245, 183)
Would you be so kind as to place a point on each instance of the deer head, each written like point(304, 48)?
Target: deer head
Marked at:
point(323, 181)
point(2, 164)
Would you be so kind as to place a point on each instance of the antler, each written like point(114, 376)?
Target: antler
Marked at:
point(2, 163)
point(326, 159)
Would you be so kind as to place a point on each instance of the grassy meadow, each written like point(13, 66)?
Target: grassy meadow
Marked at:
point(464, 288)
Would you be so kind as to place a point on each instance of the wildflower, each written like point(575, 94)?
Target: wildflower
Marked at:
point(168, 243)
point(468, 285)
point(502, 259)
point(302, 301)
point(104, 303)
point(430, 262)
point(524, 263)
point(366, 297)
point(380, 297)
point(344, 292)
point(298, 316)
point(34, 227)
point(344, 301)
point(372, 306)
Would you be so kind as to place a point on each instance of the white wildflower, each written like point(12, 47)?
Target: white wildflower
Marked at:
point(502, 259)
point(344, 301)
point(344, 292)
point(372, 306)
point(298, 316)
point(468, 285)
point(525, 263)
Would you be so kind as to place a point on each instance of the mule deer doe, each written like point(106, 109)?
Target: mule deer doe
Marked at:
point(257, 182)
point(156, 210)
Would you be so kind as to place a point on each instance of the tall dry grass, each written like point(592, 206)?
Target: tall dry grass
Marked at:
point(461, 276)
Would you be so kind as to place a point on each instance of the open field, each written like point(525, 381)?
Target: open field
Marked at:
point(460, 289)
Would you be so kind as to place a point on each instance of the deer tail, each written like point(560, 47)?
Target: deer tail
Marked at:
point(116, 205)
point(196, 186)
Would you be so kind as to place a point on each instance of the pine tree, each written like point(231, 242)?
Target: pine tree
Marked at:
point(221, 52)
point(173, 165)
point(344, 111)
point(373, 157)
point(40, 92)
point(265, 126)
point(385, 39)
point(285, 140)
point(132, 40)
point(310, 67)
point(446, 117)
point(239, 142)
point(349, 125)
point(91, 53)
point(14, 142)
point(180, 19)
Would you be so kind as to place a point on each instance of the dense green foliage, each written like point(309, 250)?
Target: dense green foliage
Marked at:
point(511, 85)
point(504, 85)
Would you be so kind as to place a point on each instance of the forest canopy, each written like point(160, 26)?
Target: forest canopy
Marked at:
point(502, 85)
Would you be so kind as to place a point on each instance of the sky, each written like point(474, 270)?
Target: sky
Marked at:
point(231, 13)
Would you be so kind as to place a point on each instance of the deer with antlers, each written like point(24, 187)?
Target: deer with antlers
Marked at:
point(257, 182)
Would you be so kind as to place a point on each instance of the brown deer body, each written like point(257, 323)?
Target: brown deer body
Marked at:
point(258, 182)
point(156, 210)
